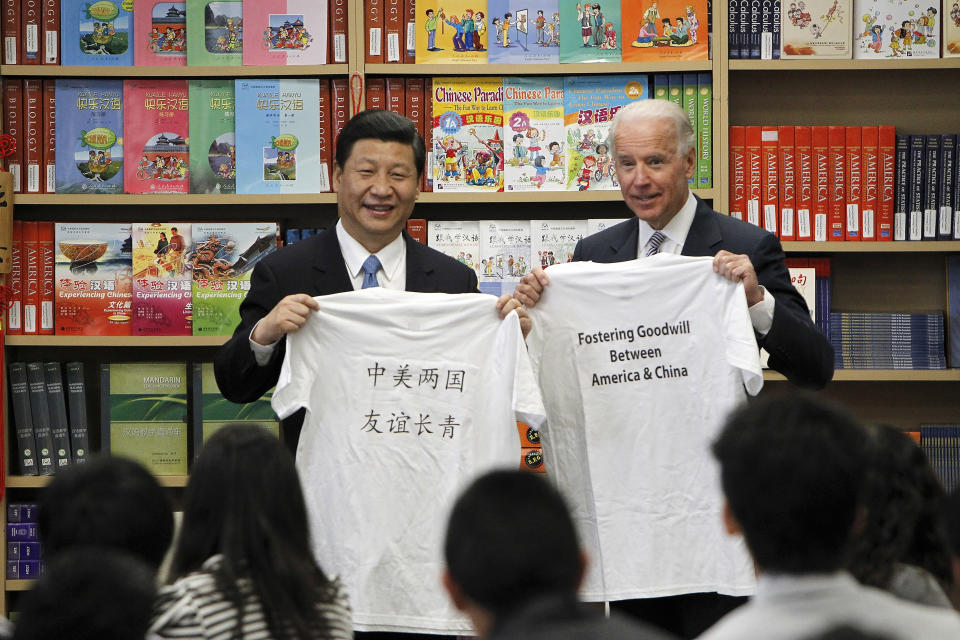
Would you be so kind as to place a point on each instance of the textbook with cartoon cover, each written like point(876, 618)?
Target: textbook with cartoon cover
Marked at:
point(455, 31)
point(553, 241)
point(282, 32)
point(157, 125)
point(162, 291)
point(459, 239)
point(590, 31)
point(655, 30)
point(523, 32)
point(89, 135)
point(504, 254)
point(215, 34)
point(816, 28)
point(533, 133)
point(885, 29)
point(213, 148)
point(160, 33)
point(951, 28)
point(96, 33)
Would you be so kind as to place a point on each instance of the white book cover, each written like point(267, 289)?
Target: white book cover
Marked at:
point(951, 29)
point(459, 239)
point(553, 241)
point(816, 29)
point(900, 29)
point(533, 133)
point(804, 280)
point(504, 254)
point(595, 225)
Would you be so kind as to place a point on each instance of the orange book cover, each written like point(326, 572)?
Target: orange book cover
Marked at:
point(803, 148)
point(31, 276)
point(47, 276)
point(754, 188)
point(659, 30)
point(340, 112)
point(11, 31)
point(338, 32)
point(417, 228)
point(376, 97)
point(396, 100)
point(31, 19)
point(50, 45)
point(393, 31)
point(788, 182)
point(837, 187)
point(887, 142)
point(820, 137)
point(738, 172)
point(373, 32)
point(853, 176)
point(409, 31)
point(49, 168)
point(32, 135)
point(769, 161)
point(14, 325)
point(870, 182)
point(324, 106)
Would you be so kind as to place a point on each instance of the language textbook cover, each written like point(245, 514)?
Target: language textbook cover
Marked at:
point(590, 102)
point(280, 152)
point(143, 408)
point(655, 30)
point(459, 239)
point(160, 33)
point(96, 33)
point(896, 29)
point(524, 33)
point(553, 241)
point(211, 410)
point(213, 154)
point(534, 134)
point(94, 281)
point(221, 260)
point(816, 28)
point(951, 29)
point(215, 33)
point(157, 125)
point(467, 123)
point(591, 32)
point(504, 254)
point(285, 32)
point(454, 32)
point(162, 290)
point(89, 136)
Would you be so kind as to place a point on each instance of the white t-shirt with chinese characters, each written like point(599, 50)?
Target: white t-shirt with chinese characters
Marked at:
point(639, 364)
point(408, 397)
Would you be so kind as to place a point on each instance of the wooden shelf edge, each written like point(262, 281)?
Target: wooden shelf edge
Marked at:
point(838, 64)
point(37, 482)
point(881, 375)
point(19, 585)
point(579, 68)
point(113, 341)
point(62, 71)
point(872, 247)
point(174, 198)
point(572, 197)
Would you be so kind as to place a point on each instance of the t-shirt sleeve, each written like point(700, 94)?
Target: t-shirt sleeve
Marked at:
point(297, 373)
point(741, 343)
point(527, 403)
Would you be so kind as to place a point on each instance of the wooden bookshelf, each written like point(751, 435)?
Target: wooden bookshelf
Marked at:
point(575, 69)
point(571, 197)
point(115, 341)
point(844, 65)
point(37, 482)
point(19, 585)
point(872, 247)
point(100, 199)
point(60, 71)
point(883, 375)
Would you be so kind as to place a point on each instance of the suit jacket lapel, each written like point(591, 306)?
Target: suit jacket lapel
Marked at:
point(419, 274)
point(625, 247)
point(704, 237)
point(330, 271)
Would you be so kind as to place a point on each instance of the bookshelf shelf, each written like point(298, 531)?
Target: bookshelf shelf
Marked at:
point(19, 585)
point(572, 197)
point(538, 69)
point(843, 65)
point(47, 70)
point(872, 247)
point(174, 198)
point(880, 375)
point(114, 341)
point(37, 482)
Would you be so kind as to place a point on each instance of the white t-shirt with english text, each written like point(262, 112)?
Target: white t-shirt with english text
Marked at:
point(639, 364)
point(408, 397)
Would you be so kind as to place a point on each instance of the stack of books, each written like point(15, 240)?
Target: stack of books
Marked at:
point(887, 340)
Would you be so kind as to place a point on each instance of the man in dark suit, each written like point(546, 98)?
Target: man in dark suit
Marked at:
point(654, 148)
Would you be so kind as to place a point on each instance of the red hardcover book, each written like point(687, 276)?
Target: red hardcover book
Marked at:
point(31, 276)
point(870, 181)
point(32, 135)
point(820, 209)
point(13, 125)
point(417, 228)
point(409, 31)
point(393, 30)
point(754, 159)
point(15, 282)
point(413, 106)
point(47, 266)
point(769, 161)
point(325, 107)
point(31, 18)
point(373, 32)
point(738, 172)
point(49, 168)
point(788, 183)
point(838, 184)
point(376, 97)
point(803, 146)
point(11, 31)
point(396, 98)
point(428, 130)
point(338, 31)
point(341, 109)
point(51, 32)
point(887, 142)
point(853, 175)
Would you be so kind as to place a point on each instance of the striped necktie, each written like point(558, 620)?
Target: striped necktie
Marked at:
point(370, 267)
point(653, 244)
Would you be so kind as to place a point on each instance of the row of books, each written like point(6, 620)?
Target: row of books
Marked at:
point(845, 183)
point(143, 279)
point(941, 443)
point(888, 340)
point(807, 272)
point(178, 33)
point(861, 29)
point(25, 559)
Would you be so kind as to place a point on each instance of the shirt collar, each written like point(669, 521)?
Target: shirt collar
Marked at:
point(391, 256)
point(676, 230)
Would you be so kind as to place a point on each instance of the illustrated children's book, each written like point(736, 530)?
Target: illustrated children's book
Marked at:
point(160, 33)
point(459, 32)
point(89, 136)
point(817, 28)
point(664, 30)
point(93, 279)
point(96, 32)
point(285, 32)
point(459, 239)
point(553, 241)
point(896, 29)
point(591, 31)
point(221, 260)
point(143, 409)
point(280, 149)
point(522, 32)
point(156, 122)
point(215, 32)
point(467, 124)
point(162, 290)
point(534, 134)
point(213, 154)
point(590, 102)
point(504, 254)
point(211, 410)
point(951, 28)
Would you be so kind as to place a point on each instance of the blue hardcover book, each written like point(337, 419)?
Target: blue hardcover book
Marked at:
point(766, 29)
point(532, 32)
point(775, 27)
point(947, 185)
point(89, 136)
point(96, 32)
point(953, 308)
point(744, 27)
point(756, 27)
point(901, 174)
point(916, 180)
point(931, 186)
point(278, 149)
point(733, 30)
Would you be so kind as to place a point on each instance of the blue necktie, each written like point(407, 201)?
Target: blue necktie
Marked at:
point(653, 245)
point(370, 267)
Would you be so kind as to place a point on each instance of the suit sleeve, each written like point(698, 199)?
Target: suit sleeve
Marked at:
point(239, 376)
point(798, 349)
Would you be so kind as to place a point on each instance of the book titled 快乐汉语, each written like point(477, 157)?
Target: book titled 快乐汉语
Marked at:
point(160, 33)
point(89, 136)
point(157, 130)
point(215, 33)
point(96, 32)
